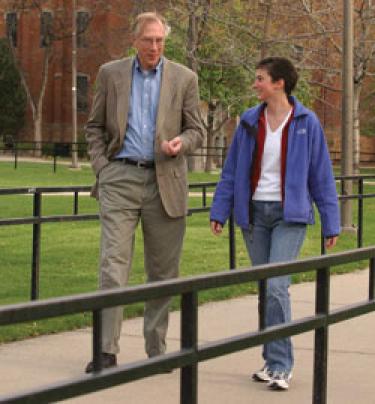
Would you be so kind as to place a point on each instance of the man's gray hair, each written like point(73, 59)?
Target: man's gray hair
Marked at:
point(144, 18)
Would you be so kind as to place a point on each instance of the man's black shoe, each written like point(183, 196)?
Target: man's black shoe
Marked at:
point(108, 361)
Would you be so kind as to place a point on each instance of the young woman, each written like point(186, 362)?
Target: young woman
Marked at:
point(278, 163)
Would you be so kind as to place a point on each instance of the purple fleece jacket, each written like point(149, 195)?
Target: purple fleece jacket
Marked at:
point(308, 178)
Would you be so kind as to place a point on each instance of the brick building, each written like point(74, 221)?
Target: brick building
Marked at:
point(103, 28)
point(35, 27)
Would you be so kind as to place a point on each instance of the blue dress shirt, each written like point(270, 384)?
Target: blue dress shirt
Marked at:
point(140, 132)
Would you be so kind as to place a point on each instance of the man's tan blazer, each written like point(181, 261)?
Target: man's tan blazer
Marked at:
point(178, 115)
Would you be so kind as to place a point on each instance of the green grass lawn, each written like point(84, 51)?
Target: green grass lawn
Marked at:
point(69, 251)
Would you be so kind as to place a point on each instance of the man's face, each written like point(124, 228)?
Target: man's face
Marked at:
point(150, 44)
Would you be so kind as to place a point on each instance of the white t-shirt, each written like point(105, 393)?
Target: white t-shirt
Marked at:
point(269, 185)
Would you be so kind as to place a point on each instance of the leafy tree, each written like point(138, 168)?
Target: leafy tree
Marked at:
point(12, 95)
point(221, 40)
point(203, 42)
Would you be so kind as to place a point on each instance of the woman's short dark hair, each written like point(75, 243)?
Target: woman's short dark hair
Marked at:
point(280, 68)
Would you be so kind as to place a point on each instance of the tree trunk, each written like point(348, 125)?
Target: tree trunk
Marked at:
point(38, 133)
point(210, 135)
point(266, 29)
point(192, 37)
point(38, 117)
point(191, 47)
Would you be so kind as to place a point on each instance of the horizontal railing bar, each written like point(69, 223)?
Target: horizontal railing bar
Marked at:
point(198, 210)
point(107, 378)
point(142, 369)
point(355, 177)
point(355, 196)
point(34, 190)
point(49, 219)
point(203, 184)
point(37, 310)
point(70, 218)
point(249, 340)
point(78, 188)
point(350, 311)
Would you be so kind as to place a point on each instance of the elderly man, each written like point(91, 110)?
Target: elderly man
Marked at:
point(144, 120)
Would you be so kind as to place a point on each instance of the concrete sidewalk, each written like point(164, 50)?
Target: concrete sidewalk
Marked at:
point(351, 361)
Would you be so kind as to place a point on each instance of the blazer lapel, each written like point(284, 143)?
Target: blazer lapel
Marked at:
point(165, 98)
point(123, 90)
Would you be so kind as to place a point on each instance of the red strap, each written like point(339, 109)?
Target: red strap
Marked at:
point(284, 150)
point(258, 155)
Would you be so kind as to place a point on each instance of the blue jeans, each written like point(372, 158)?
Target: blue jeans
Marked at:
point(271, 239)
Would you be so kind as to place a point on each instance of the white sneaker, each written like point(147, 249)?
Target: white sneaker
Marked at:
point(262, 375)
point(279, 380)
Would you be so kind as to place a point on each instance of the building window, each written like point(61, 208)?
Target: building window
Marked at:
point(82, 24)
point(11, 27)
point(82, 92)
point(298, 51)
point(45, 29)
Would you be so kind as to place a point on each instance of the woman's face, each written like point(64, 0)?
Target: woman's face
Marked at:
point(265, 87)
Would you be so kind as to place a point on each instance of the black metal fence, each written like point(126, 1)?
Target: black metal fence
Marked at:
point(360, 196)
point(64, 149)
point(191, 353)
point(44, 148)
point(37, 219)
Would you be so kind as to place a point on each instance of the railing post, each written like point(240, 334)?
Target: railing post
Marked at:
point(232, 243)
point(37, 208)
point(97, 340)
point(54, 157)
point(189, 337)
point(360, 213)
point(372, 279)
point(75, 212)
point(15, 155)
point(322, 244)
point(204, 196)
point(321, 337)
point(262, 303)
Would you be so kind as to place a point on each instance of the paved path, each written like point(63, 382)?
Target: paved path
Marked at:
point(225, 380)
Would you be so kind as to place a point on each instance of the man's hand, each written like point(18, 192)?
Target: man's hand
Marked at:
point(216, 227)
point(173, 147)
point(331, 241)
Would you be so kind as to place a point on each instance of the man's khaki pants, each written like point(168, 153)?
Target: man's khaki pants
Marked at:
point(128, 194)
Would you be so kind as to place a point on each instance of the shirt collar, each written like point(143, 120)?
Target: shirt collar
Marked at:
point(156, 69)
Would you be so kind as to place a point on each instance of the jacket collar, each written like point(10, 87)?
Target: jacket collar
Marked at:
point(251, 116)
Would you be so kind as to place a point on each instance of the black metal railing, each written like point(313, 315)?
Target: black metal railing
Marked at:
point(360, 196)
point(65, 149)
point(43, 148)
point(190, 352)
point(37, 220)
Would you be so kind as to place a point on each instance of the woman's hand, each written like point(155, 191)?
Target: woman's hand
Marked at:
point(331, 241)
point(216, 227)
